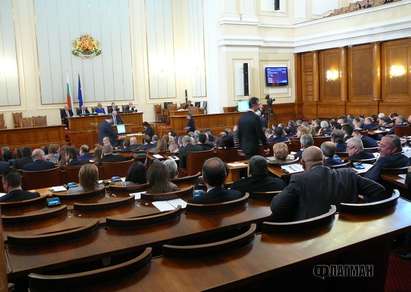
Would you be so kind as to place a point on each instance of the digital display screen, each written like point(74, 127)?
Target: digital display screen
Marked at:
point(242, 106)
point(276, 76)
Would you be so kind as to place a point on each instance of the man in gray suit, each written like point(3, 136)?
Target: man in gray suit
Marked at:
point(311, 193)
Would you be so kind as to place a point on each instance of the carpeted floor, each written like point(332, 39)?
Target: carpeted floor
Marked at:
point(398, 275)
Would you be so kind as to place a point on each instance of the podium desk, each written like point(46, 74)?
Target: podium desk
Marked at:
point(33, 137)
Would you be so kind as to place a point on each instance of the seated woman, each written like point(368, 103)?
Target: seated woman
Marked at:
point(88, 177)
point(53, 154)
point(136, 173)
point(172, 168)
point(71, 157)
point(280, 151)
point(159, 179)
point(330, 158)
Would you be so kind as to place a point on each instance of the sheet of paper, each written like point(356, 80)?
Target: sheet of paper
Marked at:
point(402, 175)
point(137, 196)
point(58, 189)
point(177, 202)
point(2, 194)
point(163, 206)
point(158, 156)
point(293, 168)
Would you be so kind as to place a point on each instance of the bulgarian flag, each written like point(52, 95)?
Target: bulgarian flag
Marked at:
point(69, 100)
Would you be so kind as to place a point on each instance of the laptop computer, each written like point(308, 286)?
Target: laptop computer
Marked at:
point(121, 129)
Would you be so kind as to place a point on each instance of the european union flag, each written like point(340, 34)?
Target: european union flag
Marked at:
point(79, 93)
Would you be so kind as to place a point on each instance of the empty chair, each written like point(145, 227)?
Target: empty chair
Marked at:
point(299, 225)
point(132, 222)
point(24, 203)
point(169, 195)
point(109, 169)
point(40, 121)
point(370, 207)
point(210, 248)
point(34, 215)
point(195, 160)
point(17, 120)
point(27, 122)
point(42, 179)
point(215, 206)
point(69, 282)
point(103, 205)
point(47, 238)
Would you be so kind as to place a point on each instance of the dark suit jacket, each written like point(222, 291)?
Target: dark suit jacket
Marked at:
point(368, 142)
point(85, 157)
point(113, 158)
point(258, 184)
point(392, 161)
point(20, 163)
point(311, 193)
point(4, 167)
point(182, 154)
point(216, 195)
point(63, 113)
point(39, 165)
point(250, 133)
point(279, 139)
point(106, 130)
point(149, 131)
point(77, 162)
point(191, 125)
point(341, 147)
point(19, 195)
point(362, 155)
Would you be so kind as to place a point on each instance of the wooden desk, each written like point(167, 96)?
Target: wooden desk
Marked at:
point(353, 239)
point(32, 137)
point(84, 130)
point(216, 122)
point(108, 241)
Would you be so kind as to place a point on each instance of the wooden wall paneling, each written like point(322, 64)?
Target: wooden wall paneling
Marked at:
point(331, 103)
point(283, 112)
point(298, 86)
point(363, 70)
point(396, 88)
point(309, 87)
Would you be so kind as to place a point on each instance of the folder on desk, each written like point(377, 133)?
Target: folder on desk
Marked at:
point(293, 168)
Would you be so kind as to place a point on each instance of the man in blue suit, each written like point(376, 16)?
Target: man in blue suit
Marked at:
point(390, 157)
point(39, 162)
point(12, 186)
point(105, 129)
point(214, 174)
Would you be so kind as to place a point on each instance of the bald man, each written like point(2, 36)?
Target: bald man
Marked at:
point(311, 193)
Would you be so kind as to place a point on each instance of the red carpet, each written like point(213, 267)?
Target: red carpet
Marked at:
point(398, 275)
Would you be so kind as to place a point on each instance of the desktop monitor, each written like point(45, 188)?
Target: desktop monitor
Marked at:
point(276, 76)
point(242, 106)
point(121, 129)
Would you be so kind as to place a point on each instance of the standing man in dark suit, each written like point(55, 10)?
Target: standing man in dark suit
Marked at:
point(311, 193)
point(191, 127)
point(214, 174)
point(12, 186)
point(148, 130)
point(250, 132)
point(105, 129)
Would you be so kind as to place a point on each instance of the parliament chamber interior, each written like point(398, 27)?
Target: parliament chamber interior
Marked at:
point(205, 145)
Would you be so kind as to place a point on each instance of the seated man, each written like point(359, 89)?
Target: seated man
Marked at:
point(82, 111)
point(337, 136)
point(65, 113)
point(330, 158)
point(367, 141)
point(108, 155)
point(311, 193)
point(12, 186)
point(85, 153)
point(279, 136)
point(25, 158)
point(184, 150)
point(133, 145)
point(306, 140)
point(356, 150)
point(390, 157)
point(214, 174)
point(259, 179)
point(202, 143)
point(39, 162)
